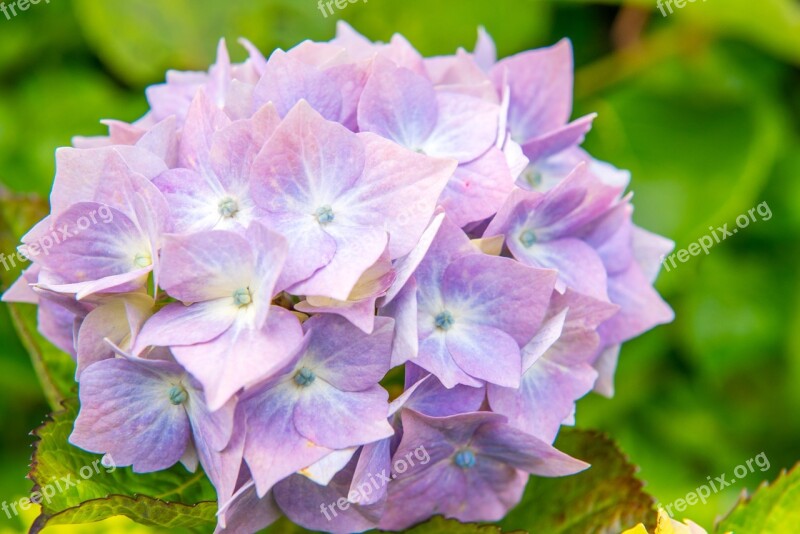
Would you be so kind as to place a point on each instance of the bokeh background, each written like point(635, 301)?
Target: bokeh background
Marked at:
point(702, 105)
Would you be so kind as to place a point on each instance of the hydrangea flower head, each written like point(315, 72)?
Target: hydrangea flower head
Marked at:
point(237, 272)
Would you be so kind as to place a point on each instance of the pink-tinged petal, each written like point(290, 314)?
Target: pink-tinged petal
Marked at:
point(326, 469)
point(178, 324)
point(403, 54)
point(126, 412)
point(466, 127)
point(548, 334)
point(498, 292)
point(606, 366)
point(579, 199)
point(461, 74)
point(288, 81)
point(560, 139)
point(403, 309)
point(579, 340)
point(117, 321)
point(241, 356)
point(397, 191)
point(434, 357)
point(523, 451)
point(263, 123)
point(314, 506)
point(273, 448)
point(371, 471)
point(486, 353)
point(344, 356)
point(541, 89)
point(21, 291)
point(360, 313)
point(270, 251)
point(578, 265)
point(449, 244)
point(232, 152)
point(162, 140)
point(220, 447)
point(641, 307)
point(219, 75)
point(247, 512)
point(351, 78)
point(121, 283)
point(359, 308)
point(206, 266)
point(649, 250)
point(611, 236)
point(398, 104)
point(338, 419)
point(478, 189)
point(485, 50)
point(57, 324)
point(81, 172)
point(515, 158)
point(203, 120)
point(112, 245)
point(405, 266)
point(428, 396)
point(193, 199)
point(310, 247)
point(356, 250)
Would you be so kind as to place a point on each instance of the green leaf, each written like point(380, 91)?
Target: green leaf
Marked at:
point(379, 20)
point(55, 369)
point(172, 499)
point(183, 34)
point(773, 25)
point(772, 508)
point(605, 498)
point(440, 525)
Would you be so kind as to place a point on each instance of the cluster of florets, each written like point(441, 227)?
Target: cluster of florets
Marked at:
point(237, 273)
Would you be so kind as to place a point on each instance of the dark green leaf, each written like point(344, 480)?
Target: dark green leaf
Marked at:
point(173, 498)
point(605, 498)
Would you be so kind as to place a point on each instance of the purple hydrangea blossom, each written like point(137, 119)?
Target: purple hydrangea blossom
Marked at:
point(237, 272)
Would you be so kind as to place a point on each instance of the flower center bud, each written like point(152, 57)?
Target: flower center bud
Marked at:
point(533, 177)
point(465, 459)
point(324, 215)
point(304, 377)
point(242, 297)
point(444, 320)
point(527, 238)
point(178, 395)
point(142, 260)
point(228, 207)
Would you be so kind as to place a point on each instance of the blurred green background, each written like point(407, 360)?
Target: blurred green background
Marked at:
point(702, 106)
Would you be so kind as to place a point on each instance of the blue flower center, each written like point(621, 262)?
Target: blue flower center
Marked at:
point(324, 215)
point(527, 238)
point(465, 459)
point(304, 377)
point(228, 207)
point(242, 297)
point(177, 395)
point(444, 320)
